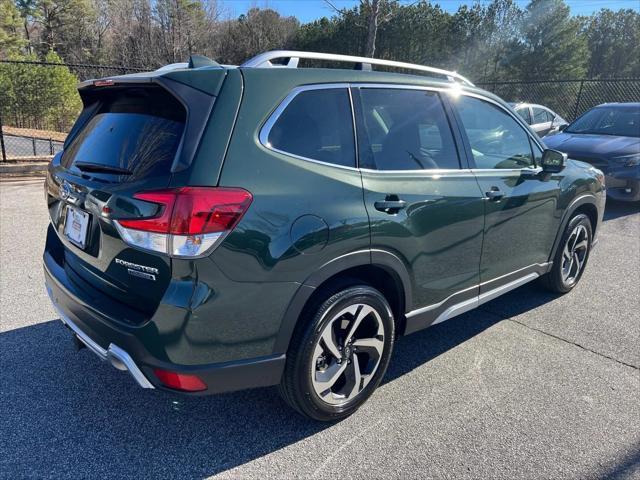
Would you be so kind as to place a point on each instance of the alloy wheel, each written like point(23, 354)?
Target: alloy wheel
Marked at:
point(574, 254)
point(347, 354)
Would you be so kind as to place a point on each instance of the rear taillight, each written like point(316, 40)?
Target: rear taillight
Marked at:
point(190, 220)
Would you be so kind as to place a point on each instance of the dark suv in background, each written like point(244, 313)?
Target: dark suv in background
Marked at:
point(607, 137)
point(218, 228)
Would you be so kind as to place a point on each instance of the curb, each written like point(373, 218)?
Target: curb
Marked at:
point(23, 168)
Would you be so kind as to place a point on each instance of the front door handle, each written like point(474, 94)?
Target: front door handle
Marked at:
point(494, 194)
point(390, 206)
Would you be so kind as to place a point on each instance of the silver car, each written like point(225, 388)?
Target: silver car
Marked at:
point(543, 120)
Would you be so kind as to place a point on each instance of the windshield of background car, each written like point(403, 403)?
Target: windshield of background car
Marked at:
point(619, 121)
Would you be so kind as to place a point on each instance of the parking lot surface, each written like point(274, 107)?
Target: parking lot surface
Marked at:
point(531, 385)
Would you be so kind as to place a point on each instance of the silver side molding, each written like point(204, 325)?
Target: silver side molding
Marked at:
point(471, 303)
point(118, 357)
point(293, 58)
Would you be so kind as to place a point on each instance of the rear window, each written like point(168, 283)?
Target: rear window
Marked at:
point(135, 132)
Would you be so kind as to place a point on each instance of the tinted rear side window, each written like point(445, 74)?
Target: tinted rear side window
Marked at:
point(136, 130)
point(317, 125)
point(404, 130)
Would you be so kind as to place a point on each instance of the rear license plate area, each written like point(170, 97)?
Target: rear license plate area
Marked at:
point(76, 226)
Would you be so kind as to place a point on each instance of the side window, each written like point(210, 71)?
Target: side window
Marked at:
point(317, 124)
point(525, 113)
point(540, 115)
point(497, 140)
point(404, 130)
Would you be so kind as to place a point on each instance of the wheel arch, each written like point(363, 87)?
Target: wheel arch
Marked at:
point(380, 269)
point(586, 204)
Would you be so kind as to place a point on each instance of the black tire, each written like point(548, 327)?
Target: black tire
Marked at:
point(555, 280)
point(303, 368)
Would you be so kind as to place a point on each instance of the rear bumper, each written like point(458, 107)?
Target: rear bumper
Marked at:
point(125, 351)
point(119, 358)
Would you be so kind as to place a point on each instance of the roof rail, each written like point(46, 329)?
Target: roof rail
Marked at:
point(362, 63)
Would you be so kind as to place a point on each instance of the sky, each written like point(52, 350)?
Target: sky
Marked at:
point(308, 10)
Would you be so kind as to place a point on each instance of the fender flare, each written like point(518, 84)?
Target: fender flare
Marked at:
point(588, 198)
point(381, 258)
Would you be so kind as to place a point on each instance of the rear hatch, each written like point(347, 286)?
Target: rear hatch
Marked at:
point(133, 135)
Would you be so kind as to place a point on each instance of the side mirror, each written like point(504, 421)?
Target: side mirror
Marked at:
point(562, 127)
point(553, 161)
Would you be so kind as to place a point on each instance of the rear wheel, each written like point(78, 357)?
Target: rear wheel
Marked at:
point(339, 357)
point(571, 257)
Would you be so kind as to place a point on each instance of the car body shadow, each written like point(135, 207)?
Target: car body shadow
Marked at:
point(69, 414)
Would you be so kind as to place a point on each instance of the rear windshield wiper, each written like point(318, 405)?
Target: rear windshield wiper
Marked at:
point(100, 168)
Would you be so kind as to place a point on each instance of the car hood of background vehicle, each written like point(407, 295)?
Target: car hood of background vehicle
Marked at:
point(588, 144)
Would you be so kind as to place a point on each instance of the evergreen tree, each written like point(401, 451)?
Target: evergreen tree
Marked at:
point(11, 40)
point(614, 41)
point(549, 45)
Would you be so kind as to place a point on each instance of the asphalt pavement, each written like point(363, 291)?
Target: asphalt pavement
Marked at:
point(532, 385)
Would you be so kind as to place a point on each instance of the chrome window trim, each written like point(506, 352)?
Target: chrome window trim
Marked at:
point(434, 172)
point(454, 89)
point(518, 171)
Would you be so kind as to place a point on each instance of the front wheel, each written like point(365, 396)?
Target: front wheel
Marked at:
point(340, 355)
point(572, 255)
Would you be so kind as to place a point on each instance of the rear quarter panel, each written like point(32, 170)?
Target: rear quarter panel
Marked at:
point(266, 245)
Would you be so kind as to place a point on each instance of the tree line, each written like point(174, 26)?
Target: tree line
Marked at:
point(486, 42)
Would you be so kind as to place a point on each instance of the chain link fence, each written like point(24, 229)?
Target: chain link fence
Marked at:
point(39, 101)
point(568, 98)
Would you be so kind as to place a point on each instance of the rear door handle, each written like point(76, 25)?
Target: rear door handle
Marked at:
point(494, 194)
point(390, 206)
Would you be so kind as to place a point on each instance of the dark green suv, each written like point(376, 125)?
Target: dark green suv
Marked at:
point(216, 228)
